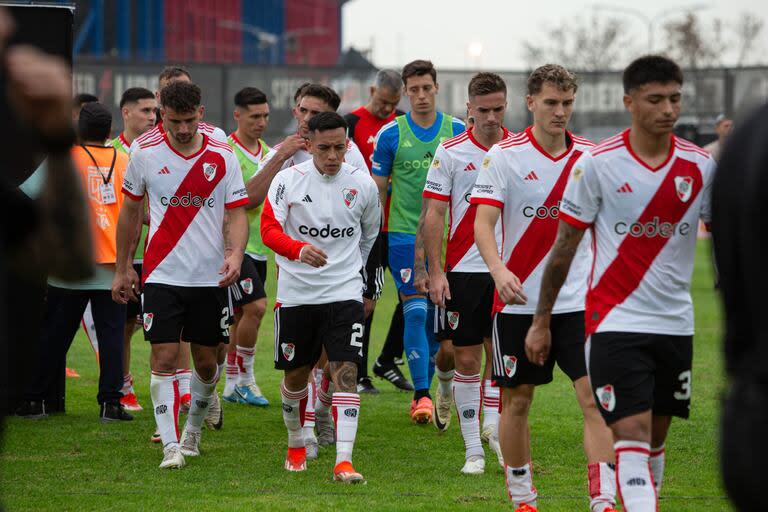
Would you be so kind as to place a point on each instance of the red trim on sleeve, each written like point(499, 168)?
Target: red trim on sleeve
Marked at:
point(488, 201)
point(132, 196)
point(235, 204)
point(432, 195)
point(274, 237)
point(573, 221)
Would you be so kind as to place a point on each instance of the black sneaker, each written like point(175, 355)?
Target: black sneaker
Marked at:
point(393, 374)
point(113, 412)
point(364, 385)
point(32, 409)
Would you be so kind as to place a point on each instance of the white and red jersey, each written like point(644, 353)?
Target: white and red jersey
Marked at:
point(156, 133)
point(187, 196)
point(527, 183)
point(339, 214)
point(644, 222)
point(451, 178)
point(353, 157)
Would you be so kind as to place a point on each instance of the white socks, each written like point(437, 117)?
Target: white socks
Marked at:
point(466, 394)
point(292, 414)
point(490, 404)
point(657, 466)
point(308, 425)
point(184, 376)
point(346, 410)
point(245, 365)
point(445, 381)
point(520, 485)
point(633, 474)
point(202, 394)
point(232, 374)
point(602, 486)
point(164, 390)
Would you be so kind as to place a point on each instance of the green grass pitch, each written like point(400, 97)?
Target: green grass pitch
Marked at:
point(73, 462)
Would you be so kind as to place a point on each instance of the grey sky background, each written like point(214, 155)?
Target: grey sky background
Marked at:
point(448, 31)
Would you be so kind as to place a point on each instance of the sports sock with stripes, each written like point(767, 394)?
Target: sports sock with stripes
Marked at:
point(633, 475)
point(415, 341)
point(346, 411)
point(292, 406)
point(245, 365)
point(657, 466)
point(490, 404)
point(164, 391)
point(602, 486)
point(308, 425)
point(202, 395)
point(466, 393)
point(520, 485)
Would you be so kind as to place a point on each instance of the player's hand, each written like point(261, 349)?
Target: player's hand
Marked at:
point(538, 341)
point(509, 287)
point(125, 286)
point(368, 306)
point(439, 291)
point(313, 256)
point(230, 270)
point(39, 88)
point(291, 145)
point(421, 279)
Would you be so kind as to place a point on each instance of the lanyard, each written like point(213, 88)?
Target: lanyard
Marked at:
point(111, 166)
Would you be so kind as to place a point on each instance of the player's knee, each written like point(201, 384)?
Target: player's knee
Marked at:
point(256, 309)
point(633, 428)
point(517, 401)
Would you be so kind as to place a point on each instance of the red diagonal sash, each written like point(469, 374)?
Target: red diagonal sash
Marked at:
point(178, 218)
point(636, 253)
point(462, 239)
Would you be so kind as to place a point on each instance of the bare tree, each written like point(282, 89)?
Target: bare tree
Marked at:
point(693, 45)
point(589, 44)
point(747, 29)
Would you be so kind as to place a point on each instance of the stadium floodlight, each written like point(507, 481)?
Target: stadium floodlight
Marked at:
point(650, 21)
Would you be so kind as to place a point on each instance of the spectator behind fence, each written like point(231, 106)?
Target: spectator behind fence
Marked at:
point(723, 126)
point(101, 169)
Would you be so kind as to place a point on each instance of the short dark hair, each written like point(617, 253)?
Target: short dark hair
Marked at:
point(300, 91)
point(81, 99)
point(486, 83)
point(325, 121)
point(181, 96)
point(419, 68)
point(249, 96)
point(95, 122)
point(170, 72)
point(651, 68)
point(134, 94)
point(554, 74)
point(324, 93)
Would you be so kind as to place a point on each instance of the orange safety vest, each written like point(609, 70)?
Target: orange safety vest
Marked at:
point(101, 170)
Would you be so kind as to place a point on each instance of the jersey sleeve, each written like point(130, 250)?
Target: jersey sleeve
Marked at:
point(236, 193)
point(354, 157)
point(134, 184)
point(384, 150)
point(440, 176)
point(582, 196)
point(273, 219)
point(458, 126)
point(371, 219)
point(218, 134)
point(491, 184)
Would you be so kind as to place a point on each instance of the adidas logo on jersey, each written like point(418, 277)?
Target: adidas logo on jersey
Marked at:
point(470, 167)
point(306, 199)
point(164, 170)
point(429, 155)
point(531, 177)
point(624, 189)
point(407, 144)
point(371, 139)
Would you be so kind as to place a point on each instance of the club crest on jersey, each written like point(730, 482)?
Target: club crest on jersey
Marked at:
point(405, 274)
point(350, 196)
point(148, 317)
point(289, 350)
point(684, 186)
point(209, 171)
point(606, 397)
point(453, 319)
point(510, 365)
point(247, 285)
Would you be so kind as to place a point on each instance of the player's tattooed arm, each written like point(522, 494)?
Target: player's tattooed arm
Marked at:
point(420, 276)
point(344, 376)
point(558, 265)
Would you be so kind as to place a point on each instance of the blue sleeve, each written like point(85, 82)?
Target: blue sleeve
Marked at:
point(33, 187)
point(458, 126)
point(384, 154)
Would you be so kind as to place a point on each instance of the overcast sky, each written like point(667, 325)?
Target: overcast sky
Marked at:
point(448, 31)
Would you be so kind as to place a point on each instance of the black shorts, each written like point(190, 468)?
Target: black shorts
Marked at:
point(249, 287)
point(200, 315)
point(261, 269)
point(133, 311)
point(511, 366)
point(374, 269)
point(468, 316)
point(301, 333)
point(635, 372)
